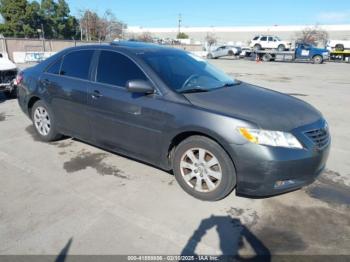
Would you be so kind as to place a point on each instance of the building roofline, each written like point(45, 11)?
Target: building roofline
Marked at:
point(274, 28)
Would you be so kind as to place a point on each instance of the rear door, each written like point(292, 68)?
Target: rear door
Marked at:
point(270, 43)
point(66, 82)
point(120, 120)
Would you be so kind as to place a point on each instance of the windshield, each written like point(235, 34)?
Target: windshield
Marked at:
point(184, 72)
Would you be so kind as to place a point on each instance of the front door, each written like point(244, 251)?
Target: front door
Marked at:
point(120, 120)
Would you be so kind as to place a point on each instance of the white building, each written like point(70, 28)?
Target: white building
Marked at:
point(242, 33)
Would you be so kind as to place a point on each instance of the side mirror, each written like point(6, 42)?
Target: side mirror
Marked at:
point(139, 86)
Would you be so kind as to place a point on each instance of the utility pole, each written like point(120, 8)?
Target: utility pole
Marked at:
point(180, 21)
point(42, 31)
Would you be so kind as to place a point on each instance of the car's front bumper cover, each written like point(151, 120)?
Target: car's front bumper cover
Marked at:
point(264, 170)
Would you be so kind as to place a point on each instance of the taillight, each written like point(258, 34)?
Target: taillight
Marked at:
point(19, 78)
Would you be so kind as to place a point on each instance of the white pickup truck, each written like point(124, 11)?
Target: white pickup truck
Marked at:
point(338, 45)
point(8, 73)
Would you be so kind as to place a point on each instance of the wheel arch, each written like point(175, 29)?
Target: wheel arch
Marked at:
point(31, 103)
point(181, 136)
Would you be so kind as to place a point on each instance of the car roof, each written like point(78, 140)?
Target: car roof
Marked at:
point(133, 47)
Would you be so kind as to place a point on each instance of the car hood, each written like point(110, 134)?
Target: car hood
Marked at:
point(6, 64)
point(321, 49)
point(268, 109)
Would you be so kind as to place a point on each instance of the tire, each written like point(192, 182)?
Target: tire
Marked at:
point(230, 53)
point(317, 59)
point(281, 48)
point(266, 57)
point(41, 113)
point(210, 56)
point(221, 167)
point(257, 47)
point(339, 47)
point(10, 94)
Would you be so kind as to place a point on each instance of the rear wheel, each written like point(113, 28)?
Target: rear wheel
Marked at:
point(266, 57)
point(257, 47)
point(281, 48)
point(44, 122)
point(203, 169)
point(317, 59)
point(339, 47)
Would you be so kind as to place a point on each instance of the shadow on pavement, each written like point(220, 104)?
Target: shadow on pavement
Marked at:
point(64, 252)
point(233, 237)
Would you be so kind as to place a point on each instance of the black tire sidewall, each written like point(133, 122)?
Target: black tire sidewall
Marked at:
point(257, 47)
point(52, 135)
point(228, 181)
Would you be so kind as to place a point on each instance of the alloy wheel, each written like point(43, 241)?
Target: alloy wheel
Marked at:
point(201, 170)
point(42, 121)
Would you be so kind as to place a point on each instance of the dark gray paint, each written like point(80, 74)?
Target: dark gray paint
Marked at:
point(144, 126)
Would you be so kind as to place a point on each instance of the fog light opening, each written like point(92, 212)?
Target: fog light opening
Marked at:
point(284, 183)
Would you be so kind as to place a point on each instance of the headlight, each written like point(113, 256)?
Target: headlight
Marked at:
point(270, 138)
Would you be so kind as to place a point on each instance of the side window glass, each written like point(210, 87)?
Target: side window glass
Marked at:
point(55, 67)
point(117, 69)
point(77, 64)
point(264, 38)
point(270, 38)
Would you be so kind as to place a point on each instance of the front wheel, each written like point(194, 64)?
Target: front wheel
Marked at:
point(203, 169)
point(11, 93)
point(317, 59)
point(44, 122)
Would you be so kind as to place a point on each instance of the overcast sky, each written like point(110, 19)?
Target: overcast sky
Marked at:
point(164, 13)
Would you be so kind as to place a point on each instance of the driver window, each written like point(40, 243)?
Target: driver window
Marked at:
point(270, 39)
point(264, 38)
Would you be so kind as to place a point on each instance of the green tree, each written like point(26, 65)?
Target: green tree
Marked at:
point(182, 35)
point(57, 21)
point(14, 14)
point(33, 20)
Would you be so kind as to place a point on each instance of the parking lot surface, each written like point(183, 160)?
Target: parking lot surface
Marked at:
point(102, 203)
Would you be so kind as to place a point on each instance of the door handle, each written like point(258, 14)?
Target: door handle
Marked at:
point(96, 94)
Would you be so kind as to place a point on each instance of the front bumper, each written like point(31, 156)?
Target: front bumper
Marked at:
point(8, 87)
point(266, 171)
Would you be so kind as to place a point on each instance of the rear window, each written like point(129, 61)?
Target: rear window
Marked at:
point(77, 64)
point(256, 38)
point(117, 69)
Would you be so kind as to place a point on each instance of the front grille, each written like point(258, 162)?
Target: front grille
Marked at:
point(320, 137)
point(7, 76)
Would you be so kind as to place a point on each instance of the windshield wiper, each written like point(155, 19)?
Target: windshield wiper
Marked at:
point(230, 84)
point(194, 90)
